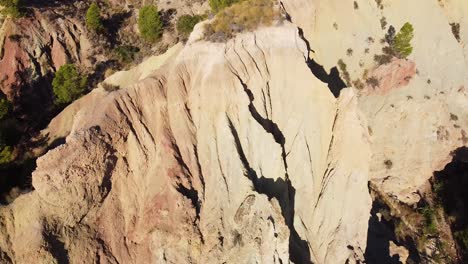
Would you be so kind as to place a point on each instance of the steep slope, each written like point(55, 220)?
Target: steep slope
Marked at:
point(232, 152)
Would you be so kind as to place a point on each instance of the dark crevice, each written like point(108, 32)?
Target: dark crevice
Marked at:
point(200, 172)
point(333, 80)
point(268, 125)
point(284, 192)
point(192, 195)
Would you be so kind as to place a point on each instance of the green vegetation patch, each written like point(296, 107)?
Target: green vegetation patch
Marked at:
point(245, 15)
point(149, 23)
point(402, 43)
point(13, 8)
point(68, 85)
point(93, 18)
point(186, 23)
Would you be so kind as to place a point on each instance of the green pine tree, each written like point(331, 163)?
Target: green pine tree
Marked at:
point(93, 18)
point(68, 85)
point(149, 23)
point(402, 42)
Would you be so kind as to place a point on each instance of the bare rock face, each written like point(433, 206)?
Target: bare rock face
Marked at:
point(230, 153)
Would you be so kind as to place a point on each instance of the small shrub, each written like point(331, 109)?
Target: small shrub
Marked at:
point(5, 107)
point(356, 6)
point(358, 84)
point(453, 117)
point(15, 38)
point(335, 26)
point(126, 53)
point(383, 22)
point(390, 36)
point(218, 5)
point(110, 87)
point(373, 82)
point(149, 23)
point(388, 164)
point(349, 52)
point(402, 43)
point(379, 3)
point(6, 154)
point(343, 68)
point(456, 30)
point(93, 18)
point(68, 85)
point(430, 222)
point(186, 23)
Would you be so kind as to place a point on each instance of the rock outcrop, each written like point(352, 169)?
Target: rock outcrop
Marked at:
point(231, 152)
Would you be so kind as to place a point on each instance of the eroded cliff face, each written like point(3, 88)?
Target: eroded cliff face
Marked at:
point(253, 150)
point(207, 161)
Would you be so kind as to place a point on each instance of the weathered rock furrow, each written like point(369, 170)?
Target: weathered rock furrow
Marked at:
point(162, 171)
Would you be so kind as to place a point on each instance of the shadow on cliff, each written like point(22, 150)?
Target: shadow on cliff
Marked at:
point(284, 192)
point(332, 79)
point(381, 232)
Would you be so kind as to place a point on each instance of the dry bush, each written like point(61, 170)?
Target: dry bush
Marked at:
point(246, 15)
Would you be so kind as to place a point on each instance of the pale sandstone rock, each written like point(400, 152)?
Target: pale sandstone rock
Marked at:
point(230, 152)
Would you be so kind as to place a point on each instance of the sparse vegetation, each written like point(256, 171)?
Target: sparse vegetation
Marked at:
point(149, 23)
point(186, 23)
point(93, 18)
point(399, 45)
point(430, 222)
point(218, 5)
point(68, 85)
point(245, 15)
